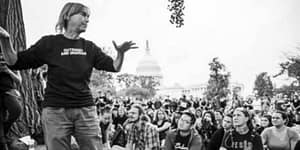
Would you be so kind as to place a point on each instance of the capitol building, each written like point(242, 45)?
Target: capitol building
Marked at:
point(148, 66)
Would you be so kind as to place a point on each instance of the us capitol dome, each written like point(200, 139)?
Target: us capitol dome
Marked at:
point(148, 66)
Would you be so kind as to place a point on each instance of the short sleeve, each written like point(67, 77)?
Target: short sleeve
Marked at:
point(32, 57)
point(103, 61)
point(293, 135)
point(264, 135)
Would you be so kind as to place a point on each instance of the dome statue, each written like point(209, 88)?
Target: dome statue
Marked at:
point(148, 66)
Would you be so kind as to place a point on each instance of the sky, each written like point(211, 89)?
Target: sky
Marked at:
point(248, 36)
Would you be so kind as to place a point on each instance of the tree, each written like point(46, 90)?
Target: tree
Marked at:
point(146, 82)
point(11, 18)
point(263, 85)
point(218, 82)
point(127, 80)
point(138, 92)
point(286, 90)
point(149, 82)
point(291, 66)
point(102, 80)
point(176, 8)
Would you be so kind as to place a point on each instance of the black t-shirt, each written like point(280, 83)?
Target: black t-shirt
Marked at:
point(235, 141)
point(70, 64)
point(181, 142)
point(163, 133)
point(103, 131)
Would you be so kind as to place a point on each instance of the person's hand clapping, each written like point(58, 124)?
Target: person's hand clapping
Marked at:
point(124, 47)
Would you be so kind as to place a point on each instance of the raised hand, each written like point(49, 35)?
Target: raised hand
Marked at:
point(3, 33)
point(125, 46)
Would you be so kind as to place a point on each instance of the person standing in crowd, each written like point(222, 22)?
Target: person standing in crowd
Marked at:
point(163, 124)
point(141, 134)
point(279, 136)
point(8, 99)
point(242, 137)
point(68, 108)
point(266, 121)
point(217, 137)
point(185, 137)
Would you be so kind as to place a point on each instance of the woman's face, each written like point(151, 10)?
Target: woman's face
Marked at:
point(198, 113)
point(239, 118)
point(160, 115)
point(78, 22)
point(121, 112)
point(264, 122)
point(207, 117)
point(218, 115)
point(115, 112)
point(277, 119)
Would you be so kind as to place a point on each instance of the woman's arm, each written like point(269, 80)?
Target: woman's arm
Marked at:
point(164, 127)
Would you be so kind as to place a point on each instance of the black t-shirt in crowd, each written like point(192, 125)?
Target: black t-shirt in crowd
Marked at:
point(181, 142)
point(70, 64)
point(235, 141)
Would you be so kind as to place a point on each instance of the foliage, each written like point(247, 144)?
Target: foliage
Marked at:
point(138, 92)
point(291, 66)
point(286, 89)
point(146, 82)
point(126, 80)
point(149, 82)
point(263, 85)
point(176, 8)
point(218, 82)
point(102, 80)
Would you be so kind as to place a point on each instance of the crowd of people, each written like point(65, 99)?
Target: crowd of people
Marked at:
point(72, 118)
point(193, 123)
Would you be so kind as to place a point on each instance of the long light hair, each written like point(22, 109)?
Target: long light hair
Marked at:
point(68, 10)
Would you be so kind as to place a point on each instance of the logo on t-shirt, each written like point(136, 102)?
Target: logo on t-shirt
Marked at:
point(73, 51)
point(180, 146)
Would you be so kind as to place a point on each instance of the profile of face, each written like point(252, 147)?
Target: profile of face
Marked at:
point(277, 119)
point(133, 115)
point(227, 122)
point(79, 21)
point(239, 118)
point(184, 122)
point(264, 122)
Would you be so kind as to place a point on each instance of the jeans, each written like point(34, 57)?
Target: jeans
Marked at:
point(60, 123)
